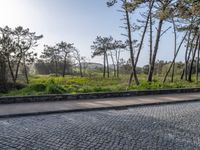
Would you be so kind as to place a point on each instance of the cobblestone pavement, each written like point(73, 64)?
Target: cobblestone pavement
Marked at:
point(153, 127)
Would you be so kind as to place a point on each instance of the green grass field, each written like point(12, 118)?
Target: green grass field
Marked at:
point(40, 85)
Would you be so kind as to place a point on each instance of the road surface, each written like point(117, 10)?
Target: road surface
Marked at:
point(173, 127)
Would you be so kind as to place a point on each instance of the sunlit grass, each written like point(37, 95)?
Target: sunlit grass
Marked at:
point(50, 84)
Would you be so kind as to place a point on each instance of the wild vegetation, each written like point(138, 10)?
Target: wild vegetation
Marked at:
point(61, 69)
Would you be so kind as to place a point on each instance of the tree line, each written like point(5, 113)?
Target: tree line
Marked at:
point(183, 16)
point(17, 53)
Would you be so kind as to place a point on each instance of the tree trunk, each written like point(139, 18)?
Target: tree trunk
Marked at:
point(14, 76)
point(117, 69)
point(11, 71)
point(182, 74)
point(197, 64)
point(173, 61)
point(117, 60)
point(25, 70)
point(187, 55)
point(56, 68)
point(192, 61)
point(134, 73)
point(144, 32)
point(151, 68)
point(104, 65)
point(114, 66)
point(143, 36)
point(17, 69)
point(80, 68)
point(150, 38)
point(3, 78)
point(108, 69)
point(64, 67)
point(175, 43)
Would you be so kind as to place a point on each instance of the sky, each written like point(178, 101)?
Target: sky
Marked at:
point(74, 21)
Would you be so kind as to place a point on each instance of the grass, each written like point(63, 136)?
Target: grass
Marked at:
point(40, 85)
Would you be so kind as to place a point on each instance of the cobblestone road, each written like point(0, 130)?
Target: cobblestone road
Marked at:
point(153, 127)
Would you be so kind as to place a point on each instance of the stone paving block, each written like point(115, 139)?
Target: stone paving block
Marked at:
point(168, 127)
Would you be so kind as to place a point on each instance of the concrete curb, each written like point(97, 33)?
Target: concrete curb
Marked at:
point(67, 97)
point(97, 109)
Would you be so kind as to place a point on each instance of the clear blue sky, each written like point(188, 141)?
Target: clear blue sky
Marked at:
point(75, 21)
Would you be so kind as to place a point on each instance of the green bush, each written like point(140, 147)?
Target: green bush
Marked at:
point(38, 87)
point(71, 88)
point(85, 89)
point(54, 89)
point(50, 84)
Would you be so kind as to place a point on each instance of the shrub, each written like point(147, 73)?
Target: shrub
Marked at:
point(38, 87)
point(54, 89)
point(71, 88)
point(85, 90)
